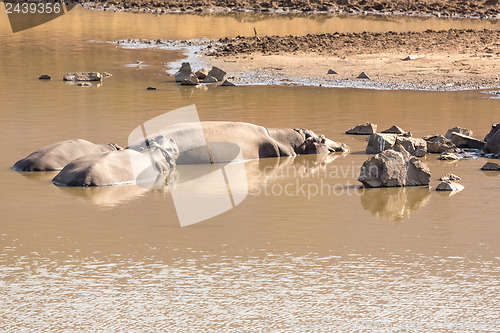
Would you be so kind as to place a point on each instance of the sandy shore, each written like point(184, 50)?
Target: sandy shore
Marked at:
point(440, 60)
point(442, 8)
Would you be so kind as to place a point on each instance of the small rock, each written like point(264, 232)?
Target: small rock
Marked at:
point(363, 129)
point(186, 73)
point(438, 144)
point(460, 130)
point(85, 76)
point(448, 156)
point(465, 141)
point(331, 71)
point(84, 84)
point(210, 79)
point(226, 83)
point(450, 186)
point(45, 77)
point(411, 57)
point(217, 73)
point(379, 142)
point(202, 73)
point(491, 167)
point(416, 147)
point(363, 75)
point(150, 88)
point(394, 130)
point(450, 178)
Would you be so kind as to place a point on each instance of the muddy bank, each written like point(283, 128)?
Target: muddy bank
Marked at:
point(446, 8)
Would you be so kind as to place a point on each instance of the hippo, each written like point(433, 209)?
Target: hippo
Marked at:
point(190, 143)
point(54, 157)
point(492, 139)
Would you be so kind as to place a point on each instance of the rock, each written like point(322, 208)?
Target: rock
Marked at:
point(186, 73)
point(465, 141)
point(450, 178)
point(380, 142)
point(217, 73)
point(84, 84)
point(450, 186)
point(82, 76)
point(491, 167)
point(331, 71)
point(494, 129)
point(106, 74)
point(150, 88)
point(226, 83)
point(363, 129)
point(45, 77)
point(411, 57)
point(448, 156)
point(363, 75)
point(190, 82)
point(438, 144)
point(460, 130)
point(394, 130)
point(492, 139)
point(210, 79)
point(202, 73)
point(416, 147)
point(394, 168)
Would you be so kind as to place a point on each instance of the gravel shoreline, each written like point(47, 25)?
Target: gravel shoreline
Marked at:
point(489, 9)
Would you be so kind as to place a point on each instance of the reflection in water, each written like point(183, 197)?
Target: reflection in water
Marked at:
point(39, 176)
point(395, 203)
point(105, 196)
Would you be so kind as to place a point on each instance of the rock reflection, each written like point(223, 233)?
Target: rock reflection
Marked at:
point(395, 203)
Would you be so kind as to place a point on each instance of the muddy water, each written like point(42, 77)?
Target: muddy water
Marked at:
point(321, 254)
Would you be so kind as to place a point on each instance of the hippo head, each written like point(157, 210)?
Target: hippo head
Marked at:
point(317, 144)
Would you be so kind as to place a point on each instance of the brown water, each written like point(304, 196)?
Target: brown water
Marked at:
point(116, 259)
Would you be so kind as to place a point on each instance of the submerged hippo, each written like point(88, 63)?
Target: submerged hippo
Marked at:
point(188, 143)
point(54, 157)
point(492, 139)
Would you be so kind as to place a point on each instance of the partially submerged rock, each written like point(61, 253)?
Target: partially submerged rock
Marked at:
point(202, 73)
point(450, 186)
point(448, 156)
point(465, 141)
point(450, 178)
point(186, 73)
point(150, 88)
point(490, 166)
point(394, 130)
point(44, 77)
point(460, 130)
point(190, 82)
point(85, 76)
point(492, 139)
point(363, 129)
point(416, 147)
point(393, 168)
point(210, 79)
point(217, 73)
point(226, 83)
point(380, 142)
point(438, 144)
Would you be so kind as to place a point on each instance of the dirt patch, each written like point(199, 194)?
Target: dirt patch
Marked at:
point(446, 8)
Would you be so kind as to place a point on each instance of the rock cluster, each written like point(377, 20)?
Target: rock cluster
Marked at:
point(187, 76)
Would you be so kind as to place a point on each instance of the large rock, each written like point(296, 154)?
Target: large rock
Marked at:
point(54, 157)
point(363, 129)
point(491, 167)
point(394, 168)
point(394, 130)
point(450, 186)
point(380, 142)
point(465, 141)
point(460, 130)
point(416, 147)
point(437, 144)
point(186, 73)
point(494, 129)
point(85, 76)
point(492, 139)
point(217, 73)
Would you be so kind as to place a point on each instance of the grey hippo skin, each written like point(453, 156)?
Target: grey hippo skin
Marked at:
point(492, 139)
point(54, 157)
point(217, 142)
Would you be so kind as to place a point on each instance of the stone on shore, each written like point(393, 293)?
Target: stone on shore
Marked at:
point(491, 167)
point(394, 168)
point(448, 156)
point(450, 186)
point(363, 75)
point(217, 73)
point(202, 73)
point(331, 71)
point(85, 76)
point(450, 178)
point(186, 73)
point(210, 79)
point(437, 144)
point(416, 147)
point(45, 77)
point(411, 57)
point(226, 83)
point(380, 142)
point(363, 129)
point(459, 130)
point(394, 130)
point(465, 141)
